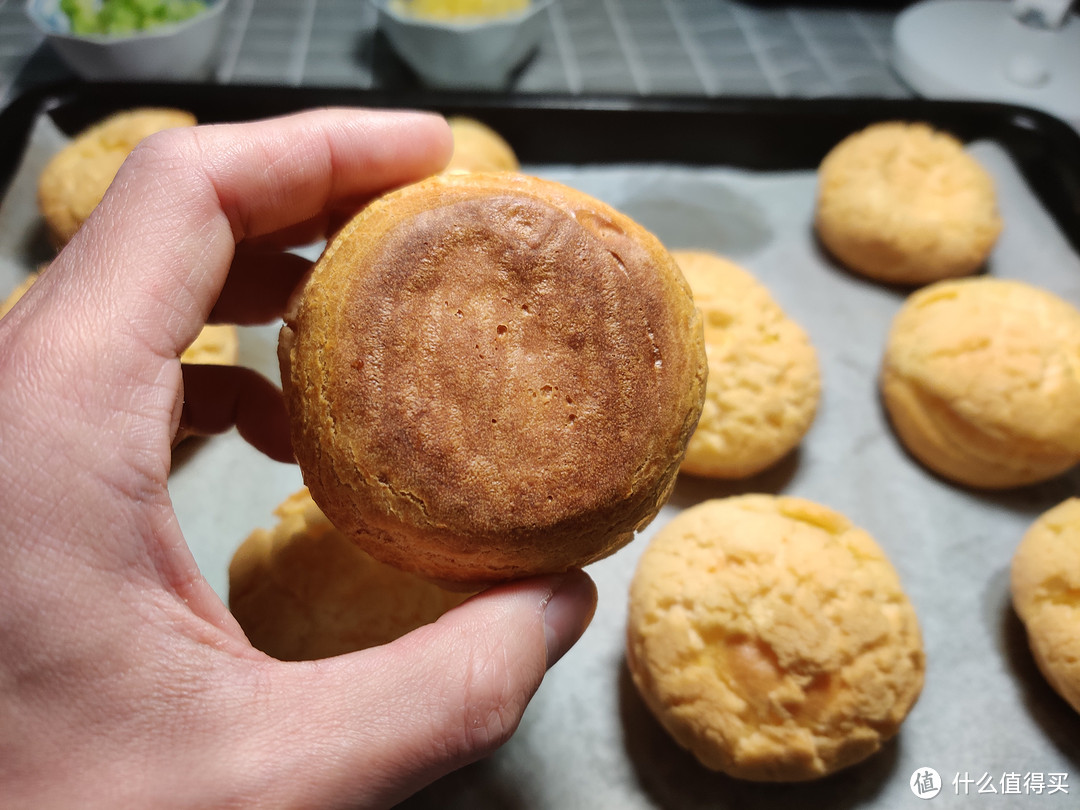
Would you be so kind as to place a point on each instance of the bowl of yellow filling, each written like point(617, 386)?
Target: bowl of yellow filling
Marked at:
point(463, 44)
point(132, 39)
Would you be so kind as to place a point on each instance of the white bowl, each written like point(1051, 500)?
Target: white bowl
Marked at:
point(183, 50)
point(471, 54)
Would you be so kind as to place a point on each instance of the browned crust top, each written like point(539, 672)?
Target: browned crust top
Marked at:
point(497, 358)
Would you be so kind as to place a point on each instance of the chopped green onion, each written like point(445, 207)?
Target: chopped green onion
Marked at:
point(127, 16)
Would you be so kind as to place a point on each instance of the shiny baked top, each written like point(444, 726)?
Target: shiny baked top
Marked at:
point(494, 357)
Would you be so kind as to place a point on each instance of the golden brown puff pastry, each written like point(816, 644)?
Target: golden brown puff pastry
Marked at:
point(905, 204)
point(302, 590)
point(981, 380)
point(772, 638)
point(1045, 584)
point(764, 381)
point(491, 376)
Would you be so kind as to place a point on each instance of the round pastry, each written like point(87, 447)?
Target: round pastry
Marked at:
point(904, 203)
point(772, 638)
point(1045, 584)
point(490, 376)
point(75, 180)
point(216, 344)
point(981, 379)
point(764, 383)
point(303, 590)
point(479, 148)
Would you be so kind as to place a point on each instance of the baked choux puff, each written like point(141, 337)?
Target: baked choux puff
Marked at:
point(981, 381)
point(490, 376)
point(772, 638)
point(904, 203)
point(302, 590)
point(764, 379)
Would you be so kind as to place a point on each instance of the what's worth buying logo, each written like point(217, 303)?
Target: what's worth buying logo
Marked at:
point(926, 783)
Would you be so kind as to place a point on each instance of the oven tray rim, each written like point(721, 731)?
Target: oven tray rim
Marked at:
point(743, 132)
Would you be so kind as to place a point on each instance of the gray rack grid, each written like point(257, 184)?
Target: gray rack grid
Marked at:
point(640, 47)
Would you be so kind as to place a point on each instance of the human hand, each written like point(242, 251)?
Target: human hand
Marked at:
point(124, 680)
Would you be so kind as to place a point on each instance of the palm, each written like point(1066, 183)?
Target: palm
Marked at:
point(124, 680)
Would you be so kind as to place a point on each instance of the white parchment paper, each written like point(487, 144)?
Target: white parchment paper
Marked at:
point(587, 741)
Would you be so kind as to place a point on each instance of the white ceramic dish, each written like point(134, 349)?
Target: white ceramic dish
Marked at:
point(470, 54)
point(183, 50)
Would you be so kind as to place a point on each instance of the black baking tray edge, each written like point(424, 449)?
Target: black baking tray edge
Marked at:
point(750, 133)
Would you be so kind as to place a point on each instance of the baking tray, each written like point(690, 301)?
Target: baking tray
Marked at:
point(736, 176)
point(753, 133)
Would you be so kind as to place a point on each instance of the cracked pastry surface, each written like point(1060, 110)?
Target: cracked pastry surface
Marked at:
point(981, 380)
point(764, 381)
point(1046, 596)
point(772, 638)
point(904, 203)
point(490, 376)
point(479, 148)
point(74, 181)
point(303, 591)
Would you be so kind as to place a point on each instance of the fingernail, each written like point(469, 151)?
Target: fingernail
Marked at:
point(568, 613)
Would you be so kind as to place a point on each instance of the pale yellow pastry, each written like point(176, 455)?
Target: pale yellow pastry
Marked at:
point(479, 148)
point(490, 376)
point(75, 180)
point(1046, 596)
point(981, 379)
point(764, 383)
point(772, 638)
point(302, 590)
point(904, 203)
point(216, 344)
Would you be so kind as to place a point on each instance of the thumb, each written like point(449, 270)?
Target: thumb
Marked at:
point(373, 727)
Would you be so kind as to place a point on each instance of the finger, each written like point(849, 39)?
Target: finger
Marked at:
point(310, 163)
point(372, 727)
point(218, 398)
point(258, 287)
point(185, 197)
point(320, 227)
